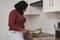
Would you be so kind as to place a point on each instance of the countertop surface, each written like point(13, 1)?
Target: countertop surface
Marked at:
point(43, 36)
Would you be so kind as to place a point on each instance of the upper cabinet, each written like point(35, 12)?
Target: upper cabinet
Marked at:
point(37, 3)
point(51, 5)
point(34, 7)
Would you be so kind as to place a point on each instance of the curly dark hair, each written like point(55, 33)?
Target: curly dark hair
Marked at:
point(20, 6)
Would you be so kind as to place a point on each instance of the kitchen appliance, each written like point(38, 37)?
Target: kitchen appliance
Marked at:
point(57, 30)
point(58, 24)
point(57, 33)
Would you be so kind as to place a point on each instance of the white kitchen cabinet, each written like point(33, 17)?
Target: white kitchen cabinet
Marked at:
point(51, 5)
point(33, 7)
point(32, 10)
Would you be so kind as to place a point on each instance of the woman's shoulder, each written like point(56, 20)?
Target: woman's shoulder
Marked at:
point(13, 12)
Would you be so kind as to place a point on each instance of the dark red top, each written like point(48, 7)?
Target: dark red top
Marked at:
point(16, 20)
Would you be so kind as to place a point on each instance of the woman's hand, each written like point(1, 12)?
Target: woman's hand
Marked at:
point(25, 31)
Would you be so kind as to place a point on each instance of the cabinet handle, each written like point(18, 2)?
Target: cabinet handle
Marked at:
point(51, 3)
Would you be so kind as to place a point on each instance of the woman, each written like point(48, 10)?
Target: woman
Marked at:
point(17, 21)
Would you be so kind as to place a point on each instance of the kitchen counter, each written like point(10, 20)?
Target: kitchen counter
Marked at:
point(46, 38)
point(51, 37)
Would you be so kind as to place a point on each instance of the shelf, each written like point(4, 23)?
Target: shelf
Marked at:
point(31, 14)
point(38, 3)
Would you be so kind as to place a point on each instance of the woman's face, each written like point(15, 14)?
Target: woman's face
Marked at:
point(24, 10)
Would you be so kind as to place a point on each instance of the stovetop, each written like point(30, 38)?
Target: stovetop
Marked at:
point(45, 35)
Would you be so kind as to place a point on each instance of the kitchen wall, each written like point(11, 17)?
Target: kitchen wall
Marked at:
point(5, 8)
point(0, 21)
point(45, 21)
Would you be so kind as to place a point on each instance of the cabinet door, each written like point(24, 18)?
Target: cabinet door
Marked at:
point(51, 5)
point(56, 5)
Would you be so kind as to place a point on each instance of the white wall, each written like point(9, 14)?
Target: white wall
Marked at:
point(0, 20)
point(45, 21)
point(5, 7)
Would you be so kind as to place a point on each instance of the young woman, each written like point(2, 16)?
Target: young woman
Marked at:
point(17, 21)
